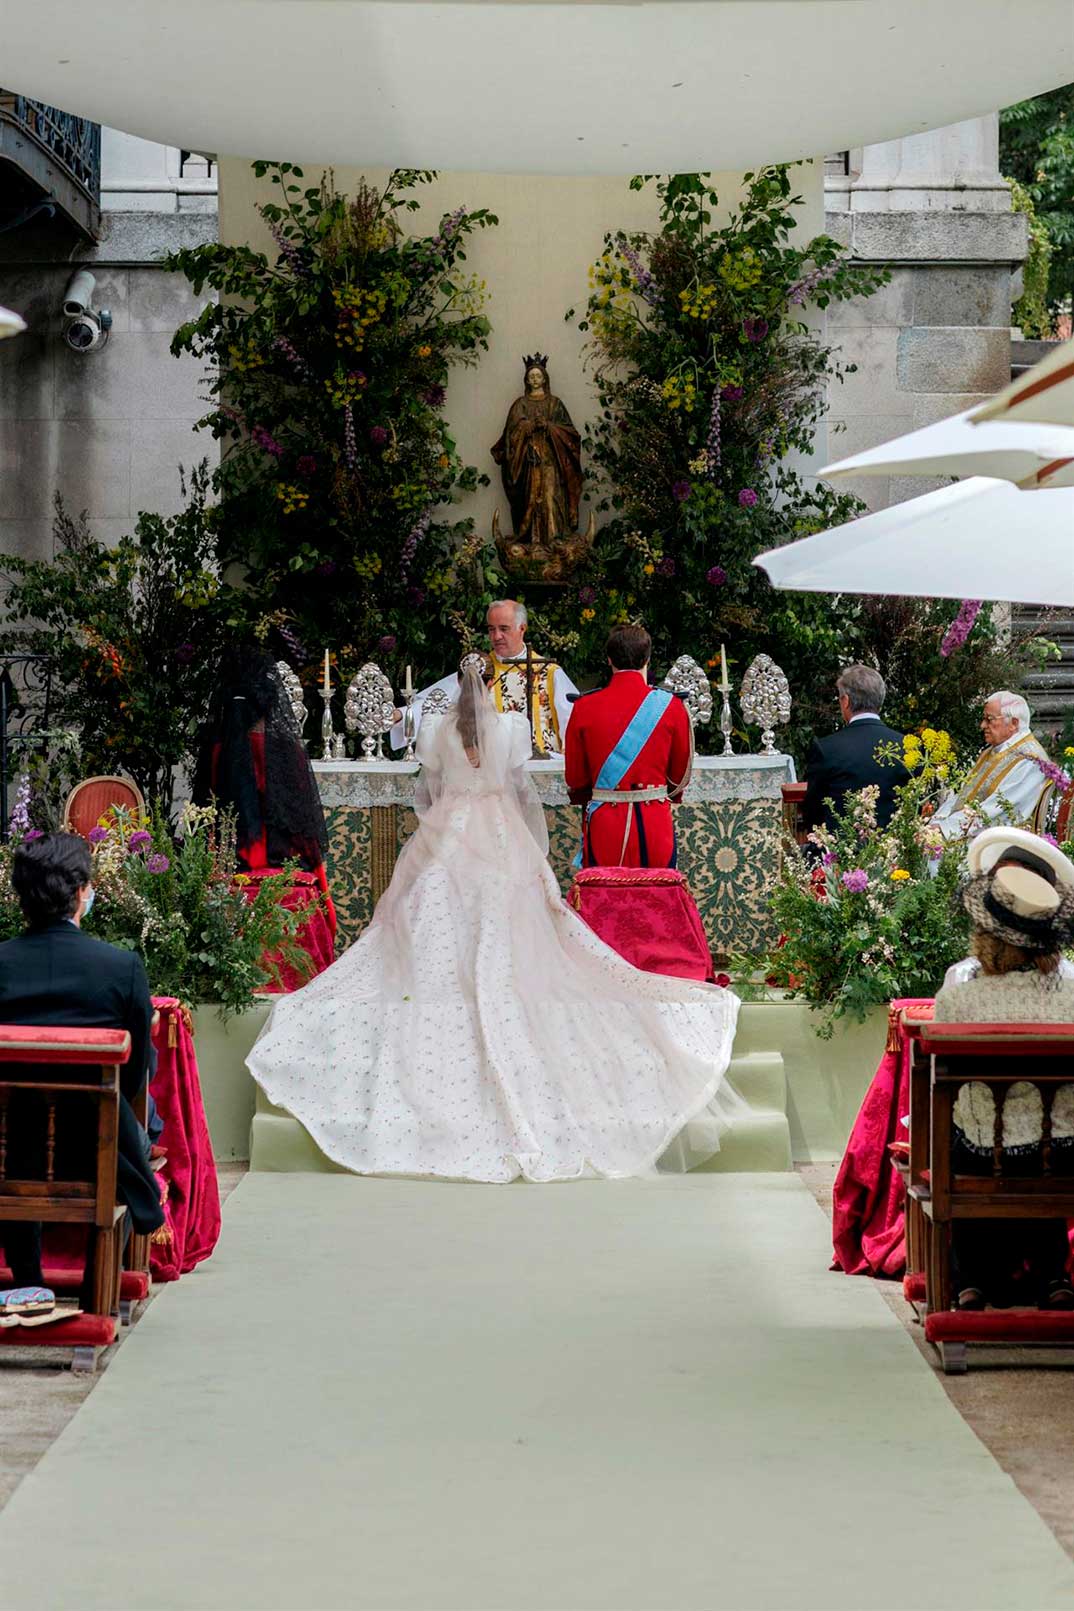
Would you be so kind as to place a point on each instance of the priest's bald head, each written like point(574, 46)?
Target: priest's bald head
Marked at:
point(507, 621)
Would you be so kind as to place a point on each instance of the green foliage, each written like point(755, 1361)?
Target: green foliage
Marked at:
point(1030, 312)
point(1037, 150)
point(133, 633)
point(878, 917)
point(328, 371)
point(176, 900)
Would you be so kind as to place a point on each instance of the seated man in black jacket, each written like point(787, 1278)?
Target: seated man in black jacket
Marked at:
point(54, 974)
point(837, 766)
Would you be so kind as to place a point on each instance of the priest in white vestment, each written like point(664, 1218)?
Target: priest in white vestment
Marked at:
point(1006, 780)
point(551, 690)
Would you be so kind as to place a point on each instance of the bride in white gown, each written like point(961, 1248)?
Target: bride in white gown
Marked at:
point(477, 1029)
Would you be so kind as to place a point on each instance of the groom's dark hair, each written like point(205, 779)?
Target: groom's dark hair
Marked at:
point(629, 648)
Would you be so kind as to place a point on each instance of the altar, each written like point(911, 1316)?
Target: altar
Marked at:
point(729, 827)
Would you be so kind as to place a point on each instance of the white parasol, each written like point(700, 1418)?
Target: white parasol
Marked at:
point(1030, 455)
point(1043, 396)
point(11, 324)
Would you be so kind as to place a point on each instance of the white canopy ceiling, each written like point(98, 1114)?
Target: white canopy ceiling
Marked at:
point(549, 87)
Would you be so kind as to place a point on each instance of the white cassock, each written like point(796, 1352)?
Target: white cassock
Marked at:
point(1004, 778)
point(552, 700)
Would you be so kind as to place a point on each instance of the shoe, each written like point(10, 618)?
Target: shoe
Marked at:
point(1060, 1296)
point(971, 1298)
point(157, 1164)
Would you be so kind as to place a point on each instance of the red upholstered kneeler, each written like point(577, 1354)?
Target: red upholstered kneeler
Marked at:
point(648, 915)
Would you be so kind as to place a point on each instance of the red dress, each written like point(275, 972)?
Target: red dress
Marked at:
point(598, 721)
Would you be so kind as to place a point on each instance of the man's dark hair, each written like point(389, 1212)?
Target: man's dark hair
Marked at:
point(629, 648)
point(47, 875)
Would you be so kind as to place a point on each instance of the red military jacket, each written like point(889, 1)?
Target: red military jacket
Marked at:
point(598, 721)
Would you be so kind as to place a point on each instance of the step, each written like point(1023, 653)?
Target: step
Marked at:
point(761, 1143)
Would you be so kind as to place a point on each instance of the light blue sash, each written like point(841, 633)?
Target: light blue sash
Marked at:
point(639, 731)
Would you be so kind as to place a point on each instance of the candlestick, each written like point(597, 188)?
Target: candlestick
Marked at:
point(327, 674)
point(408, 686)
point(725, 685)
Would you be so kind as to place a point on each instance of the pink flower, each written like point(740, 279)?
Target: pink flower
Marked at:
point(716, 576)
point(1053, 773)
point(158, 863)
point(755, 329)
point(856, 881)
point(378, 435)
point(960, 627)
point(828, 859)
point(31, 834)
point(747, 498)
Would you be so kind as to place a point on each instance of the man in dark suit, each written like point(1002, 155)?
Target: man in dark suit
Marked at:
point(54, 974)
point(847, 761)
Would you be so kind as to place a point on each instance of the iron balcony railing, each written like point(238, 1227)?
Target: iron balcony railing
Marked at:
point(59, 152)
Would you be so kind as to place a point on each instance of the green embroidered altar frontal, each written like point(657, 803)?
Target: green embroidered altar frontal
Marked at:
point(729, 828)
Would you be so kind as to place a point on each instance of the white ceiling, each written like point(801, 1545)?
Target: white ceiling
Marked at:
point(513, 87)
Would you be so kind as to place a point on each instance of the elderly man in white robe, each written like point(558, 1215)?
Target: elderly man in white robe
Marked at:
point(550, 687)
point(1006, 781)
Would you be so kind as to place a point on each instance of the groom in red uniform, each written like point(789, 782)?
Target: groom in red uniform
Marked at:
point(628, 757)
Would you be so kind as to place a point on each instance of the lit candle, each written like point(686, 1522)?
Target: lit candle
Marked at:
point(408, 686)
point(327, 683)
point(725, 686)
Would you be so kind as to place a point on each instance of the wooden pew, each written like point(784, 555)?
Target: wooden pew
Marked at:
point(945, 1057)
point(68, 1073)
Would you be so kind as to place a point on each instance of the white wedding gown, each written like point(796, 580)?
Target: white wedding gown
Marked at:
point(478, 1030)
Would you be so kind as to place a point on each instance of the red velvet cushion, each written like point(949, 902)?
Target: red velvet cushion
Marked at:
point(1002, 1325)
point(32, 1043)
point(84, 1331)
point(998, 1040)
point(913, 1288)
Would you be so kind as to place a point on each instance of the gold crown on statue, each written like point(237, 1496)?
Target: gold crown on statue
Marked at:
point(538, 360)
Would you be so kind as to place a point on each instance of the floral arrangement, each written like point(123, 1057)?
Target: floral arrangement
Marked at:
point(869, 913)
point(132, 632)
point(328, 373)
point(175, 899)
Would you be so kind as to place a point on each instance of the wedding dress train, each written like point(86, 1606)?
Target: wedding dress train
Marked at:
point(478, 1030)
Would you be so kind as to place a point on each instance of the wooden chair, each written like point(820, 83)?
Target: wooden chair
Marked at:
point(68, 1070)
point(89, 800)
point(945, 1057)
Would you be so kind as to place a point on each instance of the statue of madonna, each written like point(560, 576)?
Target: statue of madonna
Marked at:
point(540, 458)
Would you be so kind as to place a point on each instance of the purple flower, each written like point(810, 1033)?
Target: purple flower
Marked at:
point(415, 596)
point(158, 864)
point(413, 538)
point(293, 356)
point(856, 881)
point(266, 441)
point(731, 394)
point(139, 840)
point(378, 435)
point(960, 627)
point(1050, 839)
point(828, 859)
point(449, 228)
point(665, 566)
point(747, 498)
point(435, 396)
point(293, 643)
point(805, 287)
point(680, 491)
point(713, 445)
point(1052, 772)
point(587, 595)
point(307, 465)
point(387, 643)
point(327, 567)
point(288, 250)
point(97, 835)
point(716, 576)
point(31, 834)
point(350, 445)
point(184, 653)
point(642, 278)
point(754, 329)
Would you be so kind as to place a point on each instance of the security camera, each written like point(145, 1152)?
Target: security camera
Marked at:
point(83, 329)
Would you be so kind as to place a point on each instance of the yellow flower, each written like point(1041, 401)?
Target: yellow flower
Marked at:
point(588, 614)
point(899, 874)
point(425, 351)
point(443, 461)
point(648, 569)
point(1069, 750)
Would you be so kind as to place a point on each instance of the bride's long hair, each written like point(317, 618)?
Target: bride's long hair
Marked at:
point(475, 675)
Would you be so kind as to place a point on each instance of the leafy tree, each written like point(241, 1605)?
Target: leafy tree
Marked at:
point(1037, 149)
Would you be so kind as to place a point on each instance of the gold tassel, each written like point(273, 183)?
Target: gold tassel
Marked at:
point(173, 1032)
point(894, 1042)
point(162, 1235)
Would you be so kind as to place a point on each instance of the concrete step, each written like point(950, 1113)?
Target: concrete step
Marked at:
point(760, 1144)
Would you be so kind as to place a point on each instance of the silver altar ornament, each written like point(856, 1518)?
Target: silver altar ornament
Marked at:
point(765, 699)
point(687, 678)
point(294, 693)
point(339, 748)
point(326, 724)
point(370, 709)
point(436, 703)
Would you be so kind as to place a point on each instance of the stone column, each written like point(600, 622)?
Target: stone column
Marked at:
point(934, 209)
